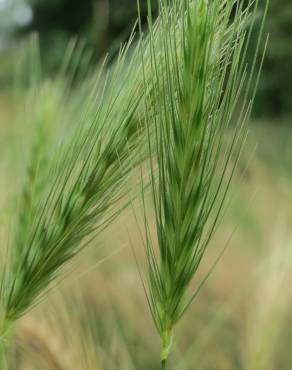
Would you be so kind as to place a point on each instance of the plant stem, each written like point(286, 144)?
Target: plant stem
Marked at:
point(166, 345)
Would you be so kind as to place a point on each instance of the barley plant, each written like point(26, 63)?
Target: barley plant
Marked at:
point(203, 92)
point(88, 135)
point(170, 98)
point(75, 185)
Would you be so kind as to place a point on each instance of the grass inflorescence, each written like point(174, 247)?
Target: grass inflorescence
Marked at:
point(71, 194)
point(205, 89)
point(170, 99)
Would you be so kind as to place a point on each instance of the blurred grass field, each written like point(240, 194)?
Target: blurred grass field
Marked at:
point(241, 318)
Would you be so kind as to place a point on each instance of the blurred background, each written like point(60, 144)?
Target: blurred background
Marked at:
point(242, 317)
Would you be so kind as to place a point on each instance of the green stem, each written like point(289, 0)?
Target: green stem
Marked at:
point(166, 344)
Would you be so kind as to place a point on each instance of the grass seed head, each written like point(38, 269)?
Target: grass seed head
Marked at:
point(204, 87)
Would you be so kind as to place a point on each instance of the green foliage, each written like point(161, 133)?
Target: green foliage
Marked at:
point(275, 90)
point(104, 24)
